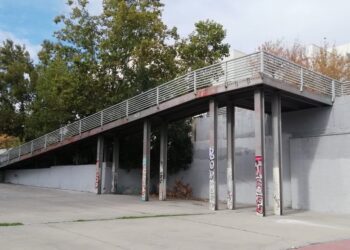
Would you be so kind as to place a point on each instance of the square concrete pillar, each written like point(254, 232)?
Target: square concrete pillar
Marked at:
point(163, 166)
point(213, 162)
point(259, 109)
point(115, 165)
point(146, 159)
point(277, 154)
point(99, 161)
point(230, 127)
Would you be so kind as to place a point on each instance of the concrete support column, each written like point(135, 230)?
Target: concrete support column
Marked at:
point(213, 142)
point(259, 107)
point(2, 176)
point(146, 159)
point(163, 166)
point(115, 165)
point(99, 161)
point(277, 154)
point(230, 126)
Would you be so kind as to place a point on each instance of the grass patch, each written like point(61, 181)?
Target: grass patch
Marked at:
point(151, 216)
point(10, 224)
point(137, 217)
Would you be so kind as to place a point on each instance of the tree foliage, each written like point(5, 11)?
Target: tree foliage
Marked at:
point(7, 141)
point(99, 60)
point(17, 81)
point(325, 60)
point(204, 46)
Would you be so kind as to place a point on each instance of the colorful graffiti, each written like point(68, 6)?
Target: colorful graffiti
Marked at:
point(97, 180)
point(144, 179)
point(212, 190)
point(230, 200)
point(259, 172)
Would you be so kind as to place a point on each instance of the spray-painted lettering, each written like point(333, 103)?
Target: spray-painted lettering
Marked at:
point(259, 171)
point(212, 177)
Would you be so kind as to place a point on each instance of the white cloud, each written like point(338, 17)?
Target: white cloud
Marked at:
point(94, 7)
point(251, 22)
point(33, 49)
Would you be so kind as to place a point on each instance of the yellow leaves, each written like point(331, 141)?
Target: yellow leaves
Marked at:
point(7, 141)
point(325, 60)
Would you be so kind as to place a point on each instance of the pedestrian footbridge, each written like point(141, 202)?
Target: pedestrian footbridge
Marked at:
point(261, 82)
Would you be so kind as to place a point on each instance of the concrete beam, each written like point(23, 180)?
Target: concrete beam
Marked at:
point(99, 160)
point(163, 166)
point(277, 154)
point(115, 165)
point(146, 159)
point(230, 126)
point(259, 107)
point(213, 142)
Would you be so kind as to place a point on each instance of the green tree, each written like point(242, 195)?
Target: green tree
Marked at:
point(100, 60)
point(55, 99)
point(204, 46)
point(17, 80)
point(136, 54)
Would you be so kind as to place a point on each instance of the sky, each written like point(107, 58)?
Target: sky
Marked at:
point(248, 23)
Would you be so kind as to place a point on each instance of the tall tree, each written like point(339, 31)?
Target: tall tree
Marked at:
point(17, 80)
point(135, 50)
point(100, 60)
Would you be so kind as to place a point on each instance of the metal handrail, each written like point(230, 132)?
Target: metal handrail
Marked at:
point(225, 73)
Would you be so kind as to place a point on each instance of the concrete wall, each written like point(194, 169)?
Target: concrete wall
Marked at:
point(320, 157)
point(321, 173)
point(106, 183)
point(198, 177)
point(129, 182)
point(78, 178)
point(316, 158)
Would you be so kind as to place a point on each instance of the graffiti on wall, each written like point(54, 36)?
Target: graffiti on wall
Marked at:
point(259, 172)
point(144, 179)
point(97, 180)
point(212, 192)
point(229, 188)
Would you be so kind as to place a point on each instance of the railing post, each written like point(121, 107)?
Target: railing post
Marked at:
point(19, 152)
point(333, 91)
point(195, 82)
point(45, 141)
point(80, 127)
point(127, 108)
point(31, 147)
point(301, 79)
point(262, 61)
point(157, 95)
point(61, 132)
point(226, 74)
point(101, 117)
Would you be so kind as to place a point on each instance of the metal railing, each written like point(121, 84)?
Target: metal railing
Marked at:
point(226, 73)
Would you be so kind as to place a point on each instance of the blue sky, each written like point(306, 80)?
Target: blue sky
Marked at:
point(248, 22)
point(30, 19)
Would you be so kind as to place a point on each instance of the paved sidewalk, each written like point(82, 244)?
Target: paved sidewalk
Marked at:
point(56, 219)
